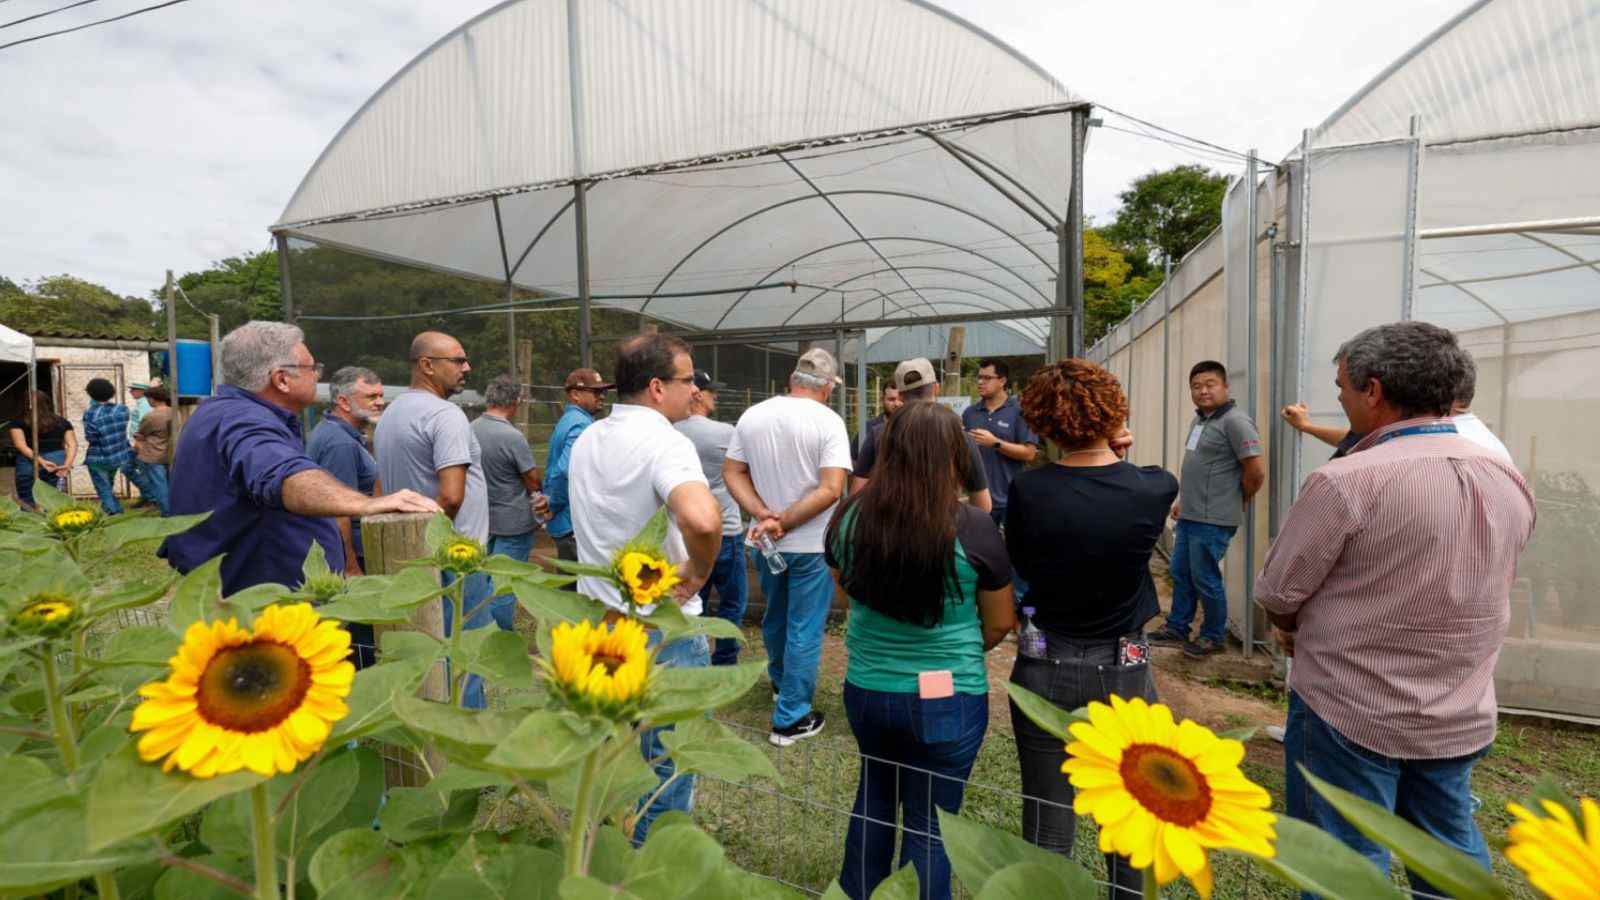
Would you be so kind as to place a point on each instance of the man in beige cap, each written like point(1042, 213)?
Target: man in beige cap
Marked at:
point(918, 384)
point(586, 391)
point(787, 465)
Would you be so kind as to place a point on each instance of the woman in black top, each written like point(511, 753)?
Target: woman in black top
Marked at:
point(1080, 532)
point(48, 451)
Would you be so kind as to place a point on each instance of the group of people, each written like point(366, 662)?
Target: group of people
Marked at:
point(1388, 582)
point(128, 439)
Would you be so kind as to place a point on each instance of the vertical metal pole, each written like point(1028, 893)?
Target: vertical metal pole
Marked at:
point(861, 385)
point(838, 359)
point(283, 292)
point(511, 314)
point(715, 361)
point(580, 210)
point(1275, 302)
point(1072, 264)
point(216, 351)
point(1166, 361)
point(172, 337)
point(1252, 231)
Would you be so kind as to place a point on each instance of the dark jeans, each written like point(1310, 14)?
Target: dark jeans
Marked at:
point(26, 476)
point(150, 479)
point(104, 479)
point(918, 754)
point(1433, 794)
point(728, 579)
point(1076, 673)
point(1197, 552)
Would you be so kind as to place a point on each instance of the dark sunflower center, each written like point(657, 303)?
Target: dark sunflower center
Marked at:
point(612, 663)
point(252, 687)
point(1166, 783)
point(648, 576)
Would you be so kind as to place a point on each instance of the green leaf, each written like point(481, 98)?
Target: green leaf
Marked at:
point(835, 892)
point(1448, 869)
point(132, 529)
point(371, 695)
point(464, 778)
point(674, 625)
point(245, 603)
point(465, 733)
point(674, 862)
point(394, 646)
point(322, 795)
point(578, 568)
point(129, 595)
point(93, 694)
point(483, 868)
point(587, 887)
point(685, 692)
point(497, 655)
point(46, 846)
point(1242, 735)
point(611, 857)
point(359, 864)
point(48, 498)
point(546, 743)
point(415, 813)
point(140, 645)
point(440, 532)
point(364, 802)
point(654, 532)
point(1546, 788)
point(199, 595)
point(130, 797)
point(978, 851)
point(315, 565)
point(902, 885)
point(1019, 881)
point(711, 748)
point(504, 567)
point(538, 874)
point(550, 606)
point(26, 783)
point(1044, 714)
point(1315, 861)
point(369, 607)
point(182, 884)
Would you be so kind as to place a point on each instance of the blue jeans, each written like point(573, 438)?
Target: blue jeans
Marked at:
point(797, 609)
point(151, 480)
point(1433, 794)
point(26, 476)
point(1197, 552)
point(516, 546)
point(728, 579)
point(691, 651)
point(104, 479)
point(917, 756)
point(477, 589)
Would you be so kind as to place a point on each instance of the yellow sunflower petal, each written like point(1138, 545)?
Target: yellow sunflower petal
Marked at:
point(1201, 879)
point(1222, 756)
point(1184, 850)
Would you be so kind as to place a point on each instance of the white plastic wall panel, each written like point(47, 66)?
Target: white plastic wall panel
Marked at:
point(1533, 178)
point(1357, 261)
point(1239, 274)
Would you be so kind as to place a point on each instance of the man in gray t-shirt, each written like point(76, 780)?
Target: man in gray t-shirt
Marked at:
point(1222, 469)
point(424, 443)
point(509, 473)
point(729, 578)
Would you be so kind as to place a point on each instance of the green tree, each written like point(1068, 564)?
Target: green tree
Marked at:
point(1165, 214)
point(237, 290)
point(66, 303)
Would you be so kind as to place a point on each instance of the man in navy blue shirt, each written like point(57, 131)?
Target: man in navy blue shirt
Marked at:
point(339, 444)
point(241, 458)
point(1005, 442)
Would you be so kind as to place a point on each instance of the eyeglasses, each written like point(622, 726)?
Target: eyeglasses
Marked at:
point(315, 367)
point(990, 378)
point(458, 360)
point(687, 379)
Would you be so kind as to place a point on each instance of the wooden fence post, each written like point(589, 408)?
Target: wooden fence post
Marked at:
point(387, 541)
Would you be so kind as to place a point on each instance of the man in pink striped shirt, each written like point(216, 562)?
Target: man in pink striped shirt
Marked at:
point(1390, 583)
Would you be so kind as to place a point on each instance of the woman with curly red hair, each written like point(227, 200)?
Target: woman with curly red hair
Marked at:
point(1080, 531)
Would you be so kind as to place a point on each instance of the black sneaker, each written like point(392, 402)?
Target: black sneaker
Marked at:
point(806, 726)
point(1167, 636)
point(1202, 648)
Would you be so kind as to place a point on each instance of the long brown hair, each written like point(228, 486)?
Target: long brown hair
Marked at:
point(898, 555)
point(48, 420)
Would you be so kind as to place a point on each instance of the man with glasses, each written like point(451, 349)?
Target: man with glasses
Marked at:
point(424, 443)
point(243, 460)
point(1005, 442)
point(586, 391)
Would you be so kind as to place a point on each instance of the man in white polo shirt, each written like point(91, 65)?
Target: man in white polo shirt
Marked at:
point(787, 467)
point(624, 468)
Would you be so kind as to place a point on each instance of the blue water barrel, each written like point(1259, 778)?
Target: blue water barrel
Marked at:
point(194, 368)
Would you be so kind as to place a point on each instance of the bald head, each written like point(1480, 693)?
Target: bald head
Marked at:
point(438, 364)
point(432, 343)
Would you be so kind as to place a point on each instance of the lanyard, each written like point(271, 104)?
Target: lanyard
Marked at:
point(1435, 428)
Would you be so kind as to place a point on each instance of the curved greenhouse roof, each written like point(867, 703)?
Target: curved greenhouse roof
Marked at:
point(747, 164)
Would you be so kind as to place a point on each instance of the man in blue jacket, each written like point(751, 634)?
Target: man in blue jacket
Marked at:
point(586, 391)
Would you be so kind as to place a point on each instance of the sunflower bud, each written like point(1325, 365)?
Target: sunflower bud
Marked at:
point(74, 520)
point(45, 615)
point(323, 588)
point(461, 555)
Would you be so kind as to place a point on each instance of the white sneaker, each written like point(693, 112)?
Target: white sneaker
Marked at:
point(1275, 732)
point(807, 725)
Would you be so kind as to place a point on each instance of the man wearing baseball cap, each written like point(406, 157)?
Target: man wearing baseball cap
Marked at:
point(918, 384)
point(711, 439)
point(586, 390)
point(787, 467)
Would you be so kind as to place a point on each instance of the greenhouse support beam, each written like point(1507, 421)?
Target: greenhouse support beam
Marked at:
point(580, 210)
point(282, 240)
point(556, 217)
point(1067, 333)
point(825, 331)
point(960, 153)
point(1511, 227)
point(511, 313)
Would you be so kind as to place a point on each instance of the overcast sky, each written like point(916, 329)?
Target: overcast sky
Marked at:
point(174, 138)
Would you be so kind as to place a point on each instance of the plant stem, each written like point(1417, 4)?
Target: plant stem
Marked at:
point(458, 625)
point(578, 837)
point(60, 722)
point(266, 855)
point(1152, 890)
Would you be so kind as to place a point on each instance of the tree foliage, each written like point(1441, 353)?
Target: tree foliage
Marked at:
point(1165, 214)
point(65, 303)
point(1112, 284)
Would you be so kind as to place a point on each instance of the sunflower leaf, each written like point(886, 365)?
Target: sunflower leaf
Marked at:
point(198, 593)
point(545, 744)
point(46, 846)
point(550, 606)
point(182, 884)
point(578, 568)
point(129, 797)
point(674, 862)
point(1044, 714)
point(1315, 861)
point(902, 885)
point(1242, 735)
point(1546, 788)
point(670, 619)
point(132, 529)
point(464, 733)
point(370, 696)
point(711, 748)
point(977, 852)
point(1018, 881)
point(48, 498)
point(654, 532)
point(506, 567)
point(415, 813)
point(360, 864)
point(129, 595)
point(1452, 871)
point(316, 564)
point(685, 692)
point(440, 532)
point(496, 655)
point(367, 606)
point(483, 868)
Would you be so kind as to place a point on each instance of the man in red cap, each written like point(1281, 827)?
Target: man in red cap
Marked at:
point(586, 391)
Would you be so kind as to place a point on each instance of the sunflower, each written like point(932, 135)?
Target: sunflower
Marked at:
point(461, 555)
point(45, 614)
point(74, 519)
point(1162, 792)
point(600, 668)
point(1560, 859)
point(262, 700)
point(647, 576)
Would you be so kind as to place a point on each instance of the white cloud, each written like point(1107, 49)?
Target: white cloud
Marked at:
point(174, 138)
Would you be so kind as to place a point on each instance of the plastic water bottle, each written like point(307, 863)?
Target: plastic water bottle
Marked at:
point(540, 518)
point(1030, 641)
point(769, 550)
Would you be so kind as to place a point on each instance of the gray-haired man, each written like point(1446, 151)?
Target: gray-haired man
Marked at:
point(339, 444)
point(511, 477)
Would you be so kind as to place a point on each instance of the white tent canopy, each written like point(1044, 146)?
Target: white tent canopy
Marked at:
point(15, 346)
point(740, 165)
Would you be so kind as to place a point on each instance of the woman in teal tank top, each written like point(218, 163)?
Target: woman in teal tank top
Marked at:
point(930, 593)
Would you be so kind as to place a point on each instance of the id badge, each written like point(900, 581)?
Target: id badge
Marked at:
point(1194, 437)
point(1132, 652)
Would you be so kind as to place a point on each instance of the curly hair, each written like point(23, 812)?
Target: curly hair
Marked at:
point(1074, 402)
